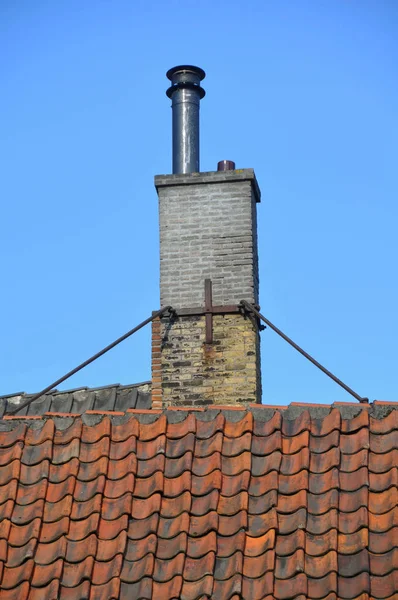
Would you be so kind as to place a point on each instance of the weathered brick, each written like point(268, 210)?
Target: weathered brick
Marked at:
point(207, 230)
point(207, 226)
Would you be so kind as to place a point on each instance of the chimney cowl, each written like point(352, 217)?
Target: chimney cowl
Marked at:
point(185, 76)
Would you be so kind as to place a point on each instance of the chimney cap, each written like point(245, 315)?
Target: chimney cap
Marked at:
point(185, 76)
point(190, 68)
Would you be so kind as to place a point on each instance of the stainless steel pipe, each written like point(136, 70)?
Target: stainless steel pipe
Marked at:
point(185, 93)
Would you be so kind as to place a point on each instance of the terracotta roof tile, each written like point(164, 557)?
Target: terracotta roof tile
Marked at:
point(104, 550)
point(325, 587)
point(319, 445)
point(169, 548)
point(48, 553)
point(52, 531)
point(318, 545)
point(77, 550)
point(257, 589)
point(79, 530)
point(73, 574)
point(9, 472)
point(380, 463)
point(109, 590)
point(168, 589)
point(17, 555)
point(169, 528)
point(352, 587)
point(191, 506)
point(80, 591)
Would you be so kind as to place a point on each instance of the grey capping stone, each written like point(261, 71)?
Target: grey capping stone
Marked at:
point(209, 177)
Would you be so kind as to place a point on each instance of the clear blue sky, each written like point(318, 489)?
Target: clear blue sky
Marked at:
point(305, 92)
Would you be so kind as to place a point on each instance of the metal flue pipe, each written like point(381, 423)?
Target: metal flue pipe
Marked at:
point(185, 93)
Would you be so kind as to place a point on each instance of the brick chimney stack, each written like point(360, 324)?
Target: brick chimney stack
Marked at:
point(208, 352)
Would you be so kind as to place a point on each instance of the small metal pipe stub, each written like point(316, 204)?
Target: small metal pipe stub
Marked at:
point(226, 165)
point(185, 93)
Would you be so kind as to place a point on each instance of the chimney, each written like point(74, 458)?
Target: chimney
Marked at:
point(208, 351)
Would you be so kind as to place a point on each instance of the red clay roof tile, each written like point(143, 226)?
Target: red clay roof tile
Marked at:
point(258, 525)
point(45, 573)
point(81, 591)
point(317, 545)
point(175, 448)
point(287, 567)
point(173, 507)
point(179, 430)
point(107, 530)
point(168, 548)
point(78, 530)
point(385, 425)
point(19, 592)
point(289, 543)
point(90, 471)
point(380, 463)
point(349, 463)
point(17, 555)
point(319, 445)
point(383, 587)
point(352, 587)
point(136, 551)
point(166, 589)
point(290, 588)
point(48, 553)
point(74, 573)
point(325, 587)
point(322, 523)
point(109, 590)
point(263, 445)
point(196, 589)
point(204, 485)
point(104, 571)
point(230, 485)
point(51, 531)
point(322, 427)
point(49, 591)
point(320, 483)
point(258, 589)
point(9, 472)
point(149, 449)
point(77, 550)
point(57, 491)
point(59, 473)
point(169, 528)
point(356, 423)
point(227, 545)
point(231, 588)
point(134, 571)
point(53, 511)
point(119, 450)
point(380, 543)
point(317, 504)
point(23, 514)
point(10, 453)
point(198, 547)
point(261, 465)
point(353, 542)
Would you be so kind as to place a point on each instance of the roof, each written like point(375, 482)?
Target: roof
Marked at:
point(77, 401)
point(267, 503)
